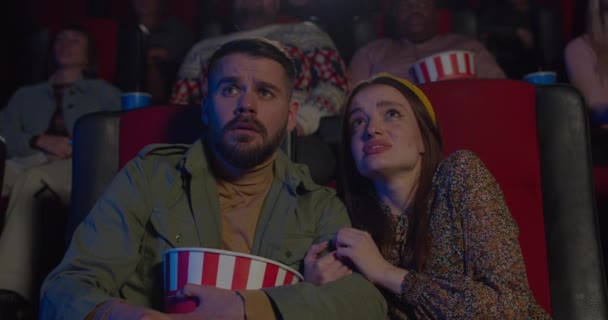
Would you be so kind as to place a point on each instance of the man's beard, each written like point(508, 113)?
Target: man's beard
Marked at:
point(238, 152)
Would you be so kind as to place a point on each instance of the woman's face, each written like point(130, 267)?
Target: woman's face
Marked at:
point(385, 136)
point(70, 49)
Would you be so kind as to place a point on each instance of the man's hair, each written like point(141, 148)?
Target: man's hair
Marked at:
point(256, 47)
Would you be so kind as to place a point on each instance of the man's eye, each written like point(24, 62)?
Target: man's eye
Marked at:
point(265, 93)
point(230, 91)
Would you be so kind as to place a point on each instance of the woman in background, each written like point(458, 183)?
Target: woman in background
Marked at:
point(587, 64)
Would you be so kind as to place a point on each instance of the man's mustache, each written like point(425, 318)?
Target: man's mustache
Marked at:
point(249, 122)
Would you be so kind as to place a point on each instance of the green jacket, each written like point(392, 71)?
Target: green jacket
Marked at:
point(117, 251)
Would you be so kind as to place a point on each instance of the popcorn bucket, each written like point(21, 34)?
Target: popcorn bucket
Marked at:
point(221, 269)
point(447, 65)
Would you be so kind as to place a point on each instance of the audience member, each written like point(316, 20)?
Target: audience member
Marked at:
point(320, 84)
point(435, 235)
point(150, 50)
point(507, 30)
point(415, 37)
point(586, 60)
point(233, 189)
point(38, 124)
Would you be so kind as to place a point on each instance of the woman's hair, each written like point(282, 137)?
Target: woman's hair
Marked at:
point(359, 194)
point(90, 71)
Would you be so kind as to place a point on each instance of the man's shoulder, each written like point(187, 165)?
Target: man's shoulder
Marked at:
point(33, 88)
point(97, 84)
point(170, 154)
point(163, 150)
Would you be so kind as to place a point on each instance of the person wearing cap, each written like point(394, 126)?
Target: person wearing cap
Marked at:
point(233, 189)
point(320, 85)
point(435, 235)
point(415, 37)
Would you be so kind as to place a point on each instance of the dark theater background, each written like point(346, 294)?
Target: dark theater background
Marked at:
point(27, 24)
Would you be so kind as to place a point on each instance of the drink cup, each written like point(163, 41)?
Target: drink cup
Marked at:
point(541, 77)
point(135, 100)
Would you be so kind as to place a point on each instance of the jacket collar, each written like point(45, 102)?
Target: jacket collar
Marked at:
point(292, 175)
point(79, 85)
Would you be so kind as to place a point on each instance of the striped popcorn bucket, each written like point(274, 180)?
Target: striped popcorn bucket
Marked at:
point(447, 65)
point(220, 269)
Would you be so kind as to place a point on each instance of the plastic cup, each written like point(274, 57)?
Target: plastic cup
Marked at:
point(541, 77)
point(135, 100)
point(221, 269)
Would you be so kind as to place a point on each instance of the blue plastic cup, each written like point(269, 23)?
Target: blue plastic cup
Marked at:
point(541, 77)
point(135, 100)
point(600, 117)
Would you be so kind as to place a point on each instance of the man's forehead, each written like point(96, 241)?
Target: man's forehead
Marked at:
point(241, 67)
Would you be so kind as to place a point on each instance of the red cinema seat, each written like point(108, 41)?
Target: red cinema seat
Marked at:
point(535, 142)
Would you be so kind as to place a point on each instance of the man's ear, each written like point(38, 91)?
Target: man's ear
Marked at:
point(292, 119)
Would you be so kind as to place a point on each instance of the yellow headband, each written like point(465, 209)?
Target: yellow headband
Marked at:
point(425, 101)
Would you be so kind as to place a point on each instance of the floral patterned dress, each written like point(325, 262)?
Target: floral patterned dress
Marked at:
point(475, 269)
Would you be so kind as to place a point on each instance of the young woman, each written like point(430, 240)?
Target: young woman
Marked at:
point(435, 235)
point(586, 59)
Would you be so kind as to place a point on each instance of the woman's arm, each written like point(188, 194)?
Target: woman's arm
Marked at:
point(486, 278)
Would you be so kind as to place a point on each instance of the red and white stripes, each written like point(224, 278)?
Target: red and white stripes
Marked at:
point(227, 271)
point(444, 66)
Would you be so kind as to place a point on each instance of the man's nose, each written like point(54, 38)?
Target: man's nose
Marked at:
point(247, 104)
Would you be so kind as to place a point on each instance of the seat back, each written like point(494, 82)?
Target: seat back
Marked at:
point(576, 267)
point(2, 160)
point(514, 127)
point(105, 35)
point(94, 163)
point(503, 134)
point(157, 124)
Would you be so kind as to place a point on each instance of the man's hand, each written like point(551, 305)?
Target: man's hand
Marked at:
point(213, 303)
point(325, 269)
point(121, 310)
point(56, 147)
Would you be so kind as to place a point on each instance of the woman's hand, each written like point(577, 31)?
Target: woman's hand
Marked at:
point(360, 248)
point(325, 269)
